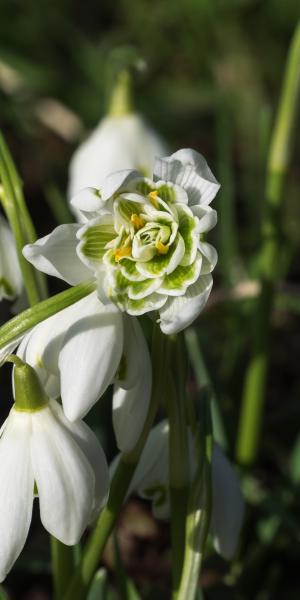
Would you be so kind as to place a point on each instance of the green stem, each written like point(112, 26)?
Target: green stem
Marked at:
point(16, 211)
point(62, 566)
point(120, 483)
point(279, 155)
point(17, 326)
point(121, 102)
point(178, 456)
point(204, 383)
point(199, 501)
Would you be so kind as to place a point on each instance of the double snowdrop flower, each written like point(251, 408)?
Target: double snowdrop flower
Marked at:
point(10, 273)
point(142, 241)
point(43, 454)
point(150, 481)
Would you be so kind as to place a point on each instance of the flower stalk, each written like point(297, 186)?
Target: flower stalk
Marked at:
point(279, 156)
point(20, 221)
point(178, 456)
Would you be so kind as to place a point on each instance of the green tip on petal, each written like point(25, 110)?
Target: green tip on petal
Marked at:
point(29, 394)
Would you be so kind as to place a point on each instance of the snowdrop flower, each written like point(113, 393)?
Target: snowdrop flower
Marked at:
point(10, 273)
point(142, 240)
point(40, 448)
point(122, 140)
point(81, 350)
point(151, 482)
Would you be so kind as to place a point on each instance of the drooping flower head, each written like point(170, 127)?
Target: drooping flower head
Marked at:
point(142, 240)
point(43, 454)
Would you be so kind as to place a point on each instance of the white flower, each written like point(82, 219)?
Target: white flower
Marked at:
point(142, 240)
point(118, 142)
point(10, 273)
point(151, 481)
point(68, 467)
point(84, 348)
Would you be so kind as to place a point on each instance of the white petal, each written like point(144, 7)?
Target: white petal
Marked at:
point(151, 477)
point(190, 170)
point(16, 489)
point(10, 272)
point(90, 446)
point(118, 181)
point(64, 478)
point(132, 394)
point(90, 356)
point(87, 200)
point(31, 351)
point(42, 344)
point(228, 505)
point(210, 257)
point(117, 143)
point(207, 216)
point(55, 254)
point(178, 313)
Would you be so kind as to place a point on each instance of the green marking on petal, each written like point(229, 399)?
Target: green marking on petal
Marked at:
point(167, 193)
point(163, 263)
point(94, 240)
point(144, 187)
point(124, 209)
point(188, 230)
point(129, 270)
point(142, 289)
point(177, 282)
point(139, 307)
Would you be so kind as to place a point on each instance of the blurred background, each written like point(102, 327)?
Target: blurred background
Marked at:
point(211, 81)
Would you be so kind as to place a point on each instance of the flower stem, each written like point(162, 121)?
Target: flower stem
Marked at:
point(178, 456)
point(121, 102)
point(17, 326)
point(199, 500)
point(62, 557)
point(120, 482)
point(20, 221)
point(279, 155)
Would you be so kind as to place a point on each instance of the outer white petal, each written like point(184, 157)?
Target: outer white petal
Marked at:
point(90, 356)
point(64, 477)
point(41, 346)
point(9, 265)
point(132, 396)
point(117, 143)
point(16, 489)
point(118, 181)
point(228, 505)
point(90, 446)
point(31, 351)
point(87, 200)
point(190, 170)
point(178, 313)
point(207, 216)
point(210, 257)
point(55, 254)
point(151, 477)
